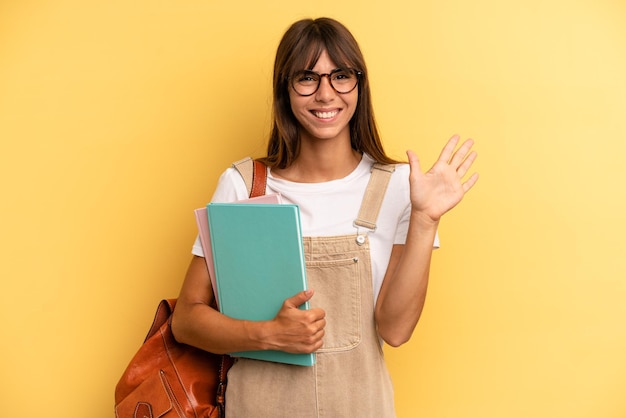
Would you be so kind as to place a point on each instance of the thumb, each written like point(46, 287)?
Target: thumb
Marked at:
point(299, 298)
point(414, 162)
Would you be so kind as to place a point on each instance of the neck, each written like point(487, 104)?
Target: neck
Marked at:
point(320, 161)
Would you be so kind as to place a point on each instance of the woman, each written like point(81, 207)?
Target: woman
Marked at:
point(367, 283)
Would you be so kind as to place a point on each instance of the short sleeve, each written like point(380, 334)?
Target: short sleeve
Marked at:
point(230, 188)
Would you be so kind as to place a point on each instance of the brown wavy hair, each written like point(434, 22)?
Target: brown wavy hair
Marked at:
point(300, 48)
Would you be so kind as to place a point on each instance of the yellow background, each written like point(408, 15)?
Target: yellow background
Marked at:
point(116, 117)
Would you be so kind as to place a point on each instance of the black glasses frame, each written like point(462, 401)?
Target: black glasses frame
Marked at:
point(330, 80)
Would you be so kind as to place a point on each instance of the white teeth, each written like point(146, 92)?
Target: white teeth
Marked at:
point(325, 115)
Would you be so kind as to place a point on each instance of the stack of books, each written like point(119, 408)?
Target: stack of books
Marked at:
point(255, 258)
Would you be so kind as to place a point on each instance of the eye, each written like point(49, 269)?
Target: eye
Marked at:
point(306, 77)
point(341, 74)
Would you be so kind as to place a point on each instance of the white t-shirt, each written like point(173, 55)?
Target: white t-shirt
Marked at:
point(330, 208)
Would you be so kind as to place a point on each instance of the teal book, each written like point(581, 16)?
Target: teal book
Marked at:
point(259, 262)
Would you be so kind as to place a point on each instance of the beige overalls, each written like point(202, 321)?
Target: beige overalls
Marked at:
point(350, 378)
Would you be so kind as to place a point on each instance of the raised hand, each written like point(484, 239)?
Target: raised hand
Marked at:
point(442, 187)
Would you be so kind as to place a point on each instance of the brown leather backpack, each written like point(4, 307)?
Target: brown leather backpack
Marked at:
point(168, 379)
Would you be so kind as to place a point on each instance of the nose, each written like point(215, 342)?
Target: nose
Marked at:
point(325, 91)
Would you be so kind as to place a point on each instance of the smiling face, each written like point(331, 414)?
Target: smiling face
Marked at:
point(326, 114)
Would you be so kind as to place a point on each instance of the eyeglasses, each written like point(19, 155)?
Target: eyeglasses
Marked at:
point(342, 80)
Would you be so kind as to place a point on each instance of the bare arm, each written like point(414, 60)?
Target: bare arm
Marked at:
point(433, 193)
point(196, 323)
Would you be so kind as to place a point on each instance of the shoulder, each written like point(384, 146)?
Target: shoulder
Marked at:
point(398, 190)
point(399, 179)
point(400, 169)
point(230, 187)
point(400, 176)
point(401, 172)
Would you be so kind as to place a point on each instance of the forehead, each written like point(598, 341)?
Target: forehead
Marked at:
point(324, 63)
point(319, 55)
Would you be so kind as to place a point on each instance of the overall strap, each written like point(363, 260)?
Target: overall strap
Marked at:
point(254, 175)
point(374, 194)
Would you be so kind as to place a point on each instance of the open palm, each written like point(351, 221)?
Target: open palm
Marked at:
point(441, 188)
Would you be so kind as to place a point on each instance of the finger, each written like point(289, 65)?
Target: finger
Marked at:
point(317, 315)
point(414, 162)
point(470, 182)
point(461, 154)
point(448, 149)
point(317, 342)
point(467, 164)
point(299, 298)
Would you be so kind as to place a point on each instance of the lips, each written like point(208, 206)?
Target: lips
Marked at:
point(325, 114)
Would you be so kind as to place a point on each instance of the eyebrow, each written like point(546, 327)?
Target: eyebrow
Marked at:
point(331, 71)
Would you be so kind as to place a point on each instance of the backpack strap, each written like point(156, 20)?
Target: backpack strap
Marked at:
point(254, 175)
point(374, 195)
